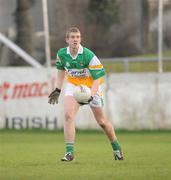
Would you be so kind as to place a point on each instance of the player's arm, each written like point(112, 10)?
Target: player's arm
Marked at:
point(60, 73)
point(97, 72)
point(60, 78)
point(95, 86)
point(54, 95)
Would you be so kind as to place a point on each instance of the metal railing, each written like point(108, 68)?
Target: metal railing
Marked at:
point(127, 60)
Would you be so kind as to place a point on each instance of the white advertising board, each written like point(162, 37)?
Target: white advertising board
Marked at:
point(132, 101)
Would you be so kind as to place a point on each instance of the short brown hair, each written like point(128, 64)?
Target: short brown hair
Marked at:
point(72, 29)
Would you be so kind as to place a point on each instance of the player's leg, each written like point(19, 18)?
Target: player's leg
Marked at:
point(104, 123)
point(107, 127)
point(70, 109)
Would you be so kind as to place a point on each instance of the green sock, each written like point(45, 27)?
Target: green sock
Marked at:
point(70, 148)
point(115, 145)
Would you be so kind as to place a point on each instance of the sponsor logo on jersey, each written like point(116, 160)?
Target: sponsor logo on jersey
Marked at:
point(77, 73)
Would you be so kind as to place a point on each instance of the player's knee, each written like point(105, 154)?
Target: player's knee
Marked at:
point(69, 116)
point(102, 124)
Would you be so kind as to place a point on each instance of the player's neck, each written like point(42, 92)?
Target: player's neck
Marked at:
point(74, 51)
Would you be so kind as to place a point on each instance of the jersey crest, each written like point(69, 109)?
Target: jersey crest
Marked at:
point(67, 64)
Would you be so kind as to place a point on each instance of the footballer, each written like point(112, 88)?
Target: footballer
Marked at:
point(82, 67)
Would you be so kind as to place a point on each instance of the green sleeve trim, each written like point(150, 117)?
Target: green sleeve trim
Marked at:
point(97, 73)
point(59, 66)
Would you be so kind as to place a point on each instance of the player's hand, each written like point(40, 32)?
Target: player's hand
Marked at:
point(91, 98)
point(54, 96)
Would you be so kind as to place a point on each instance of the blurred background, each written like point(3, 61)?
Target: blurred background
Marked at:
point(123, 33)
point(132, 38)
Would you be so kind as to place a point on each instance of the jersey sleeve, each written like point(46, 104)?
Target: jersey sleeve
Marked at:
point(59, 64)
point(96, 68)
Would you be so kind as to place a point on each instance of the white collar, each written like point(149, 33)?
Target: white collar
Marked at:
point(80, 50)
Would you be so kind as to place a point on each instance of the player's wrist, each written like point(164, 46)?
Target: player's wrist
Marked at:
point(91, 98)
point(58, 90)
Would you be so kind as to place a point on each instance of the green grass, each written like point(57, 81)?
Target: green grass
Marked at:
point(34, 155)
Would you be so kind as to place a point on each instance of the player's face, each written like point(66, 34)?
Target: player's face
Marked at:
point(74, 40)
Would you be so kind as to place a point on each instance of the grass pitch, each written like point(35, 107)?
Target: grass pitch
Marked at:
point(35, 155)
